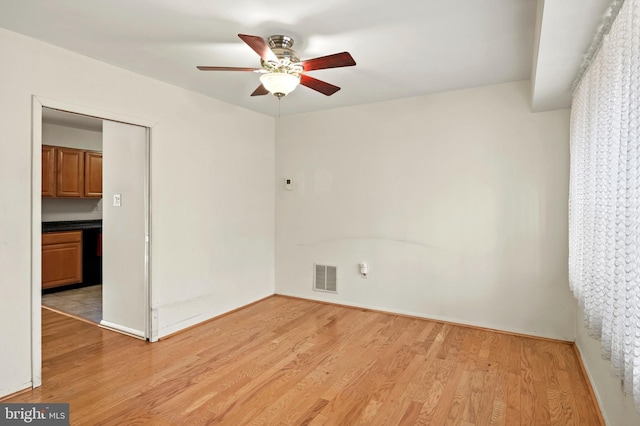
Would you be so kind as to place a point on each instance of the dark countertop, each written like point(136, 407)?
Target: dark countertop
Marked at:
point(71, 225)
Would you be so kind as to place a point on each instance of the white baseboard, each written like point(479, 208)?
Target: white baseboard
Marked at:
point(122, 329)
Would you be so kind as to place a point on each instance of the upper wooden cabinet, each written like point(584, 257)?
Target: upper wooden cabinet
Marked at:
point(69, 172)
point(93, 174)
point(48, 171)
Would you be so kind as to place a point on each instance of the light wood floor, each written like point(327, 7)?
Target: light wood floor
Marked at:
point(294, 362)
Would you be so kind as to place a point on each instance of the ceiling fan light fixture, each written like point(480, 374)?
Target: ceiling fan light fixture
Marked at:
point(280, 83)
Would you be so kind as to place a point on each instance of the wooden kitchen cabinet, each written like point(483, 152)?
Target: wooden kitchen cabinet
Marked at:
point(69, 172)
point(61, 258)
point(48, 171)
point(93, 174)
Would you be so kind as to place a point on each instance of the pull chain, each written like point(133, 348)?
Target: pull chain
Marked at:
point(279, 106)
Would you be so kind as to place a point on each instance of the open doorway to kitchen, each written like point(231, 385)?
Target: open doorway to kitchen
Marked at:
point(72, 214)
point(94, 251)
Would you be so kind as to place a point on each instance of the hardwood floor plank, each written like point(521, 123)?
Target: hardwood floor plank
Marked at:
point(459, 400)
point(488, 390)
point(499, 409)
point(542, 415)
point(513, 382)
point(559, 413)
point(442, 396)
point(411, 414)
point(527, 390)
point(500, 352)
point(296, 362)
point(311, 413)
point(474, 397)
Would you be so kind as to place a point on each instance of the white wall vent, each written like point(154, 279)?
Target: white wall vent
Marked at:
point(325, 278)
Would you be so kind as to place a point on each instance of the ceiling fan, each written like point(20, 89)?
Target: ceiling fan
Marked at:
point(282, 70)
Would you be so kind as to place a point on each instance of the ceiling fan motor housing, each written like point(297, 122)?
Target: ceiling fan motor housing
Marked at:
point(280, 41)
point(281, 46)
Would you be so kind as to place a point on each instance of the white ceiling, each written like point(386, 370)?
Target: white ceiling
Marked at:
point(403, 48)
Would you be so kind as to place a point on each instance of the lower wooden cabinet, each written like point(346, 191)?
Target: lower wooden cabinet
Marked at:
point(61, 258)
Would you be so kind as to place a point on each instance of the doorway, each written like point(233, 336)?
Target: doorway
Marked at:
point(125, 242)
point(72, 207)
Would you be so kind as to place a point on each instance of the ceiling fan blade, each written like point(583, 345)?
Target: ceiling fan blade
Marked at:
point(318, 85)
point(336, 60)
point(205, 68)
point(259, 46)
point(260, 90)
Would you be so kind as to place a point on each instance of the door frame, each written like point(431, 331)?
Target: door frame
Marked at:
point(39, 102)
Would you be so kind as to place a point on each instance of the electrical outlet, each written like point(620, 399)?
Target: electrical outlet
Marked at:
point(364, 270)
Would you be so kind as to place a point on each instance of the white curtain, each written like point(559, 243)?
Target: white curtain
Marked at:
point(604, 196)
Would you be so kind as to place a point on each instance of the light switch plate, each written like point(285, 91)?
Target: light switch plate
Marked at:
point(117, 200)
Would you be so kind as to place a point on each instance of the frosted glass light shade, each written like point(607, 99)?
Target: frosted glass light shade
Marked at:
point(279, 83)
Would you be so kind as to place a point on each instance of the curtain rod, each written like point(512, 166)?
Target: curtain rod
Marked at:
point(596, 42)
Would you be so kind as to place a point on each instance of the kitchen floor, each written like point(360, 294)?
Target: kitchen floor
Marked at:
point(84, 302)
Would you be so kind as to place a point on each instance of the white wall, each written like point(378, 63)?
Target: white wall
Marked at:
point(61, 209)
point(617, 408)
point(70, 137)
point(458, 202)
point(211, 190)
